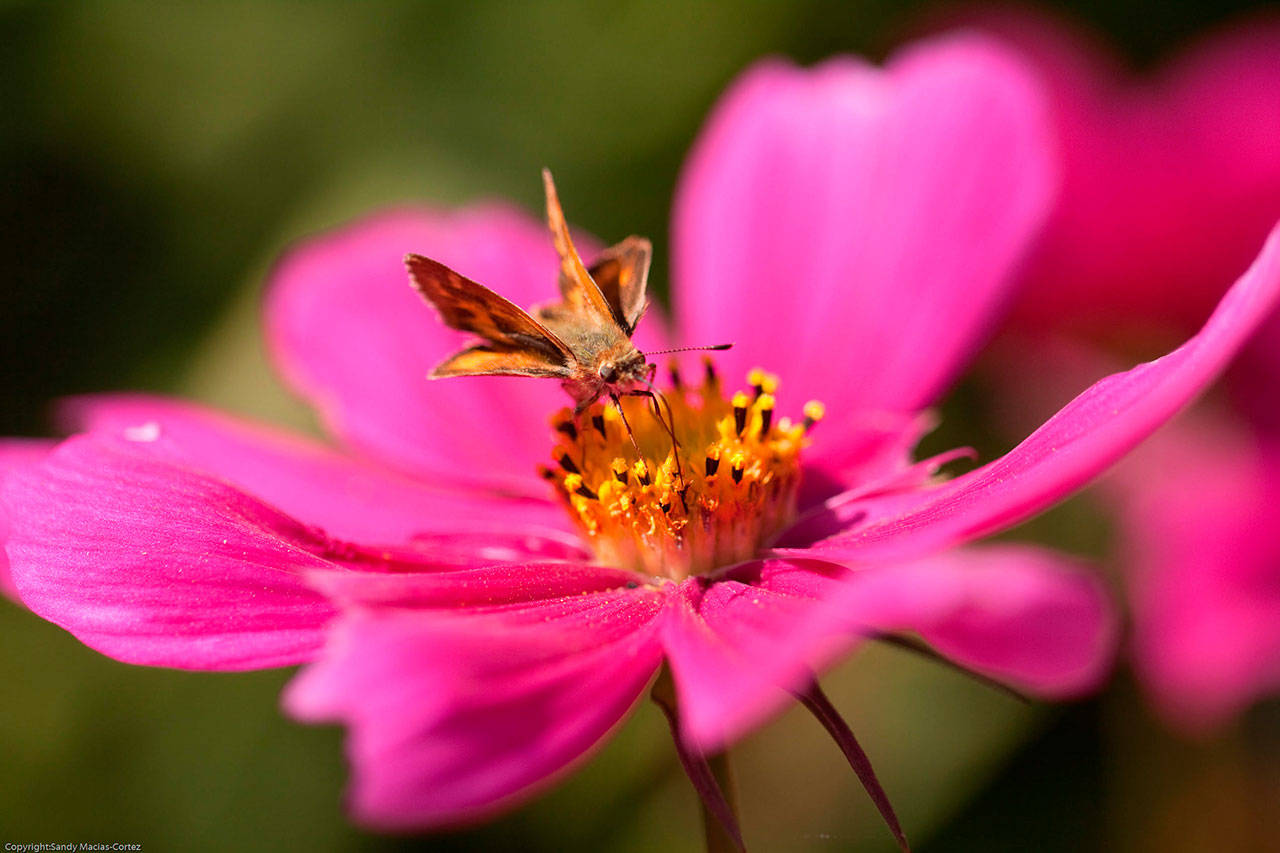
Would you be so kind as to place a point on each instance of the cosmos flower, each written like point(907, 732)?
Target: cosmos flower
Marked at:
point(1170, 178)
point(1206, 635)
point(480, 611)
point(1195, 536)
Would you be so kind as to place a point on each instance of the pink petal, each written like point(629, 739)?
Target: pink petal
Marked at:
point(712, 637)
point(1018, 614)
point(1026, 616)
point(16, 453)
point(348, 497)
point(453, 717)
point(855, 229)
point(152, 564)
point(857, 449)
point(477, 588)
point(353, 337)
point(1074, 446)
point(1199, 513)
point(887, 494)
point(1170, 181)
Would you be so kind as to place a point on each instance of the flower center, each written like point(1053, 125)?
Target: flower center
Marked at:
point(698, 481)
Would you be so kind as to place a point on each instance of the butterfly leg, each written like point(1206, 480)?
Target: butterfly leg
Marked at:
point(617, 404)
point(622, 414)
point(579, 422)
point(668, 424)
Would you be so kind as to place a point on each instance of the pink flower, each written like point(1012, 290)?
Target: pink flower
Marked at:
point(1195, 509)
point(1206, 595)
point(852, 229)
point(1168, 181)
point(1171, 178)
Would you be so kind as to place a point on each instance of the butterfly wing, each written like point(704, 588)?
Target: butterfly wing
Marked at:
point(484, 360)
point(580, 294)
point(622, 274)
point(515, 344)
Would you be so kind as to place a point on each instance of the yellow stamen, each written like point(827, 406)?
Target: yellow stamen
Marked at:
point(764, 404)
point(733, 487)
point(813, 412)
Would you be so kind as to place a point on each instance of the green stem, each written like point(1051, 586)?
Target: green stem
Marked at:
point(718, 840)
point(709, 775)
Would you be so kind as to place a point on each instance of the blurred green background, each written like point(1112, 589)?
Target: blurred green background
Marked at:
point(157, 156)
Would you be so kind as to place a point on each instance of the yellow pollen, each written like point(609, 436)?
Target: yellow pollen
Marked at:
point(762, 382)
point(813, 412)
point(716, 498)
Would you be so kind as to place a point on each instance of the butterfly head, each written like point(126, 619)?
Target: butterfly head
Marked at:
point(624, 369)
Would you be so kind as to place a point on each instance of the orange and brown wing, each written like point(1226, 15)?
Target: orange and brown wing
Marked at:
point(482, 360)
point(515, 343)
point(580, 293)
point(622, 274)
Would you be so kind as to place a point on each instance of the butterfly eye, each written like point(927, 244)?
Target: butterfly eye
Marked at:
point(608, 372)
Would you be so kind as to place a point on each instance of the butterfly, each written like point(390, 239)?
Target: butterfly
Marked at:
point(584, 339)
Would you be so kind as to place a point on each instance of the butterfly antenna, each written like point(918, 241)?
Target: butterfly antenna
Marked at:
point(712, 348)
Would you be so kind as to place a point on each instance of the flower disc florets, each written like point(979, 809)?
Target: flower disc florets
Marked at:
point(733, 486)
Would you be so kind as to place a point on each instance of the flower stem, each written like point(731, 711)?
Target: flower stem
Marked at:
point(718, 839)
point(709, 775)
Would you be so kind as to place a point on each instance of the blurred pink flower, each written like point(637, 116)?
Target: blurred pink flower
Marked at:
point(1196, 537)
point(1169, 179)
point(1201, 510)
point(853, 229)
point(1206, 595)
